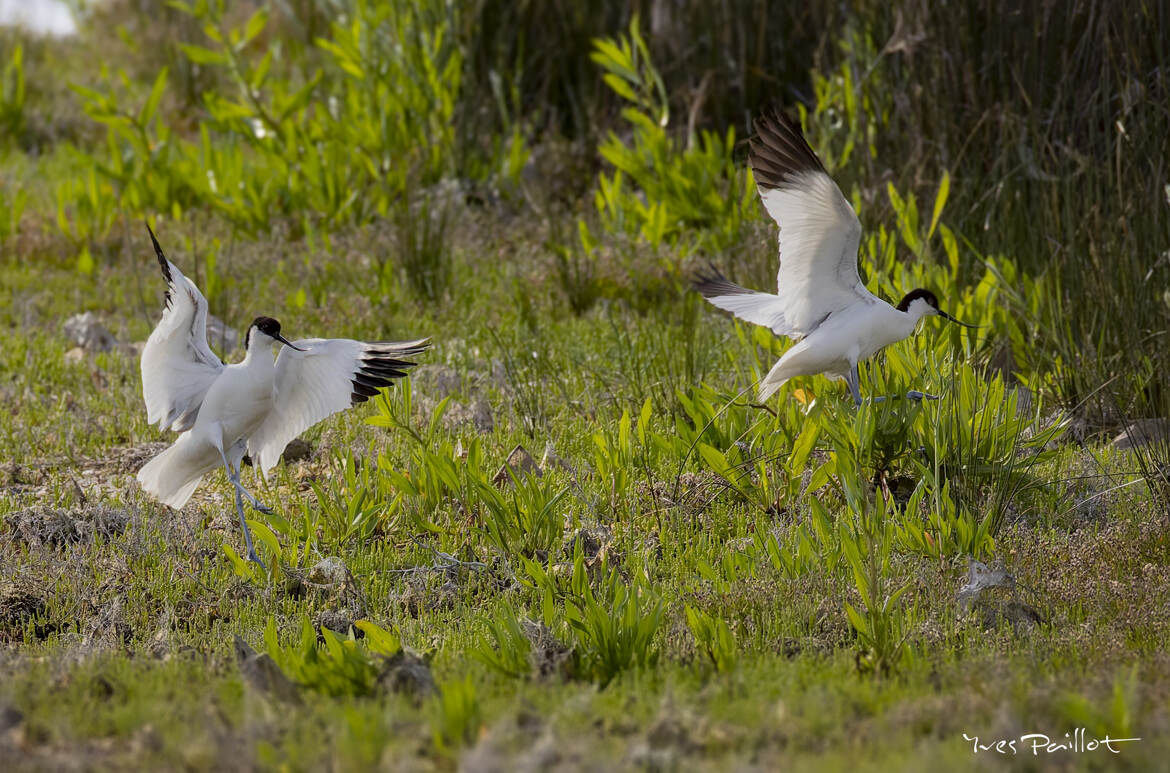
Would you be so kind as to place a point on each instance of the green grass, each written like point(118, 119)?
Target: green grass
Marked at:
point(694, 581)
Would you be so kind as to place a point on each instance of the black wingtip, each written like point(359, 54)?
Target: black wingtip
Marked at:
point(162, 259)
point(778, 150)
point(711, 283)
point(380, 366)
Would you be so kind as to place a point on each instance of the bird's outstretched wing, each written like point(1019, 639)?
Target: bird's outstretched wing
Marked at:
point(177, 364)
point(330, 375)
point(819, 231)
point(755, 307)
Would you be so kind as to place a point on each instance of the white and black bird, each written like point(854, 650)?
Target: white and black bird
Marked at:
point(820, 301)
point(255, 406)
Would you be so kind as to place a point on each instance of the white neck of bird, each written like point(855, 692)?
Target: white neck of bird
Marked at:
point(259, 349)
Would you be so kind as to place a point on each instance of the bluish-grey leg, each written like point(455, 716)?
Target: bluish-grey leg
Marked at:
point(234, 477)
point(853, 380)
point(913, 394)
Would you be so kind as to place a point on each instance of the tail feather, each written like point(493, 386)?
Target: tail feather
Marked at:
point(772, 382)
point(173, 475)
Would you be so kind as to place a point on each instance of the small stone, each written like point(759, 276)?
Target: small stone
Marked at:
point(261, 673)
point(10, 717)
point(338, 621)
point(1143, 432)
point(520, 462)
point(87, 332)
point(296, 450)
point(328, 571)
point(408, 674)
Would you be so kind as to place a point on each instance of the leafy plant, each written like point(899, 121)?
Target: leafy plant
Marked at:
point(867, 539)
point(12, 207)
point(423, 251)
point(456, 716)
point(12, 97)
point(524, 517)
point(677, 192)
point(614, 633)
point(353, 504)
point(333, 665)
point(509, 649)
point(713, 638)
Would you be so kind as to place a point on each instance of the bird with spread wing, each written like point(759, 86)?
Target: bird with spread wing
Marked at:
point(820, 301)
point(255, 406)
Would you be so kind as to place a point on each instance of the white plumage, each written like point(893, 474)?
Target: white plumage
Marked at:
point(820, 300)
point(255, 406)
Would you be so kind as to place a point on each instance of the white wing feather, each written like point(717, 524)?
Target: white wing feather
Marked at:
point(819, 236)
point(758, 308)
point(330, 375)
point(177, 365)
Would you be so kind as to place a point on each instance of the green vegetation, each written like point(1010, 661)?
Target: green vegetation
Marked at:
point(572, 539)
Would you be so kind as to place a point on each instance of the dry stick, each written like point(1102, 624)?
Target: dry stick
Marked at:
point(1101, 494)
point(447, 560)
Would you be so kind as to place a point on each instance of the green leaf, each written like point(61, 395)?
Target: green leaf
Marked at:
point(201, 55)
point(620, 87)
point(644, 421)
point(940, 201)
point(805, 442)
point(858, 622)
point(156, 93)
point(254, 26)
point(85, 263)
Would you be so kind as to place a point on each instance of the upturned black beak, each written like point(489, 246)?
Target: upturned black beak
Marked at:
point(946, 316)
point(288, 343)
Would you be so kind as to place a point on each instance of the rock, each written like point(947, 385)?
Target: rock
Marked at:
point(478, 415)
point(328, 571)
point(980, 576)
point(408, 674)
point(10, 717)
point(41, 525)
point(220, 335)
point(296, 450)
point(520, 462)
point(87, 332)
point(549, 656)
point(1022, 617)
point(261, 673)
point(1143, 432)
point(339, 621)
